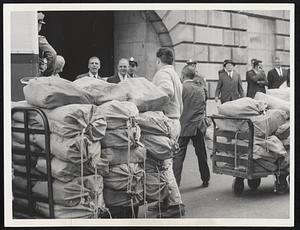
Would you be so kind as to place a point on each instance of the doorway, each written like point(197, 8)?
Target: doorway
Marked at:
point(78, 35)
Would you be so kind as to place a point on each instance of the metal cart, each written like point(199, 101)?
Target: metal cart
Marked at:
point(231, 158)
point(29, 164)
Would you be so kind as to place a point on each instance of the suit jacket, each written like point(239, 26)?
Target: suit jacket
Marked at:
point(85, 75)
point(229, 88)
point(274, 80)
point(194, 103)
point(115, 78)
point(253, 86)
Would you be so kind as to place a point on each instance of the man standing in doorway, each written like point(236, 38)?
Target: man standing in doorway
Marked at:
point(94, 65)
point(169, 82)
point(276, 76)
point(45, 49)
point(192, 126)
point(122, 74)
point(229, 84)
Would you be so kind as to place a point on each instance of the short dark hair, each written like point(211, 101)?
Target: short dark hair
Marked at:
point(256, 63)
point(165, 55)
point(94, 57)
point(189, 72)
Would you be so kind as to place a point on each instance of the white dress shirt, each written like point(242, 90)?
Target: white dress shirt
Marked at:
point(94, 76)
point(122, 78)
point(279, 71)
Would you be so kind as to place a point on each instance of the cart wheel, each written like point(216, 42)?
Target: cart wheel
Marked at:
point(254, 183)
point(281, 184)
point(238, 185)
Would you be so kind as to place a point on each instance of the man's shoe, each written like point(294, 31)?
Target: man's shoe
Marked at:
point(155, 208)
point(205, 184)
point(174, 211)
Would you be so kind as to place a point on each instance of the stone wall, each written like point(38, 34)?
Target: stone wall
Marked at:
point(207, 36)
point(134, 36)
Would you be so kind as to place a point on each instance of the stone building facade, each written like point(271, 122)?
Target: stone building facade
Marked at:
point(207, 36)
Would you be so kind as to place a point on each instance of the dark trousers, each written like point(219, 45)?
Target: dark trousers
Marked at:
point(200, 150)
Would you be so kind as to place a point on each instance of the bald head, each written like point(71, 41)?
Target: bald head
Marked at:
point(59, 64)
point(123, 66)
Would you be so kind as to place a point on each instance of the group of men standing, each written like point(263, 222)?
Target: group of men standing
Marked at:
point(230, 84)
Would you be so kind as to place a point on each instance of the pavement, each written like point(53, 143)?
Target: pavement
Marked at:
point(219, 201)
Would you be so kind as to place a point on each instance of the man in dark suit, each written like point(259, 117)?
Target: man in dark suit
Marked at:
point(198, 78)
point(256, 79)
point(94, 66)
point(276, 76)
point(192, 126)
point(229, 84)
point(122, 74)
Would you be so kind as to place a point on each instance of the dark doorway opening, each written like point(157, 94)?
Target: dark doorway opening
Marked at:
point(78, 35)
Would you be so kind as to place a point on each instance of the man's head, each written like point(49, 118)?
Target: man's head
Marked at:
point(59, 64)
point(252, 61)
point(257, 64)
point(123, 66)
point(192, 63)
point(277, 62)
point(132, 66)
point(188, 72)
point(228, 65)
point(94, 65)
point(40, 20)
point(164, 56)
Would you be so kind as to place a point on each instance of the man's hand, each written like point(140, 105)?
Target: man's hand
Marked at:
point(216, 99)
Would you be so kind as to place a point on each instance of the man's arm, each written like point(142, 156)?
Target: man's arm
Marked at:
point(49, 53)
point(269, 78)
point(263, 79)
point(164, 82)
point(218, 89)
point(240, 86)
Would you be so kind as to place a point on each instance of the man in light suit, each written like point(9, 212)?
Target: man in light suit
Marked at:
point(192, 126)
point(94, 66)
point(229, 84)
point(122, 74)
point(277, 76)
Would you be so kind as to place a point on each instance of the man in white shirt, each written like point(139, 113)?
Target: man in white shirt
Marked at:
point(94, 66)
point(169, 82)
point(277, 76)
point(122, 74)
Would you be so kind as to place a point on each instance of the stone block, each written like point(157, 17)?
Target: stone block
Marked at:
point(209, 70)
point(196, 16)
point(137, 32)
point(165, 39)
point(241, 69)
point(239, 21)
point(182, 33)
point(280, 42)
point(228, 37)
point(219, 18)
point(159, 27)
point(161, 13)
point(178, 67)
point(266, 13)
point(261, 25)
point(286, 14)
point(241, 38)
point(191, 51)
point(284, 57)
point(239, 55)
point(286, 43)
point(209, 35)
point(282, 27)
point(151, 35)
point(150, 51)
point(219, 54)
point(261, 41)
point(173, 18)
